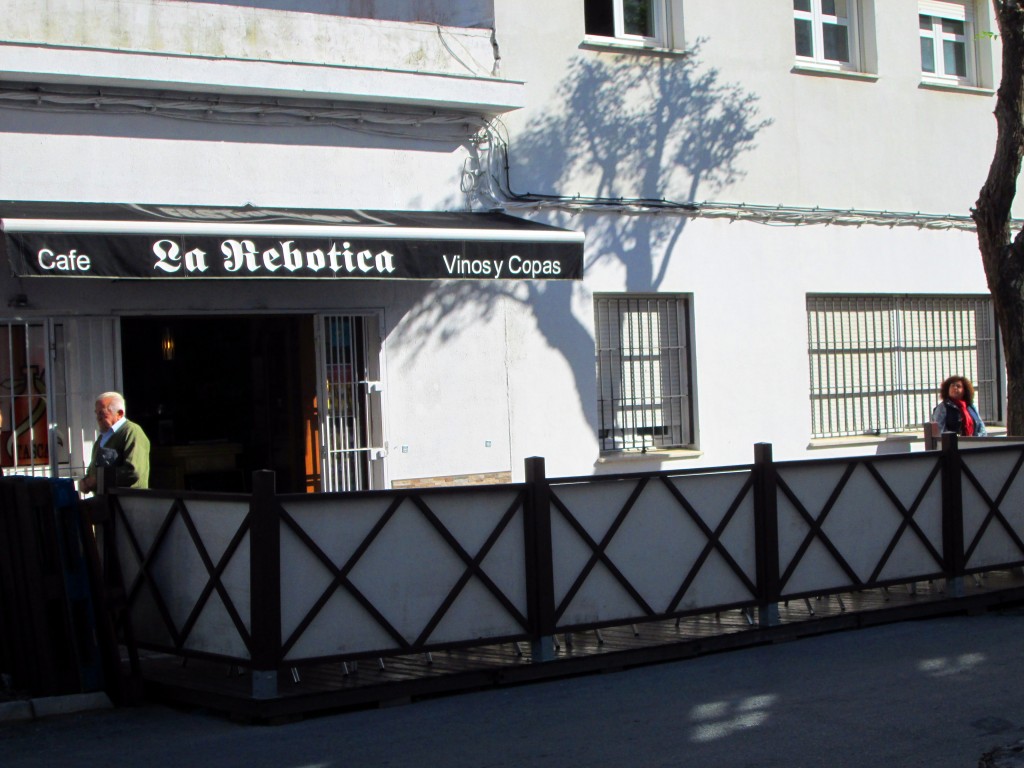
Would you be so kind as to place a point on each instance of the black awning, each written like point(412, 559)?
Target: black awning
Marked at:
point(169, 241)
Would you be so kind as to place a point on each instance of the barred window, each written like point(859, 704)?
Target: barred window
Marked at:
point(643, 372)
point(34, 438)
point(876, 362)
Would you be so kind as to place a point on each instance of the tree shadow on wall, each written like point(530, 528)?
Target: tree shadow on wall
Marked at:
point(626, 128)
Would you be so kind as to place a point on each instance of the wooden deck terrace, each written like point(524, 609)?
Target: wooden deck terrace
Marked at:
point(368, 683)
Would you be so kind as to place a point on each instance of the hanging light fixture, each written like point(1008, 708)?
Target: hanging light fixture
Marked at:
point(167, 344)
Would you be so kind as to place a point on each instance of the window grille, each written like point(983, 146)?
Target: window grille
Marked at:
point(349, 402)
point(26, 380)
point(643, 379)
point(876, 362)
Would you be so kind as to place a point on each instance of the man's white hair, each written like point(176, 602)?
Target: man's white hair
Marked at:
point(116, 400)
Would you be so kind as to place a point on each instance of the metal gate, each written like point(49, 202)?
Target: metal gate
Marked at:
point(348, 363)
point(50, 371)
point(26, 373)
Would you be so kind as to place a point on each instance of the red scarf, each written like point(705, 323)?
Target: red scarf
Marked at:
point(967, 423)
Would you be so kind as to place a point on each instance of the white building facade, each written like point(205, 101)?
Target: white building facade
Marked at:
point(772, 199)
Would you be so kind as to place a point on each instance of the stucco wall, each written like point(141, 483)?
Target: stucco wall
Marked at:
point(512, 365)
point(731, 121)
point(442, 43)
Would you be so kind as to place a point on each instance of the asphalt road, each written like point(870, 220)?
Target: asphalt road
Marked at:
point(933, 693)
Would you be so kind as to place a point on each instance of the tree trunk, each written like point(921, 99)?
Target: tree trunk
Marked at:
point(1001, 253)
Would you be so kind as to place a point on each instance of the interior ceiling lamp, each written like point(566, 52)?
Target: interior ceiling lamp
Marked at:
point(167, 344)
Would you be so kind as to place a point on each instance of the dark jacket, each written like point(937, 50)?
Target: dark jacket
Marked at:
point(947, 415)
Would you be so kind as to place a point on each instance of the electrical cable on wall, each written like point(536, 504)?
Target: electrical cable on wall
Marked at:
point(490, 146)
point(501, 195)
point(238, 111)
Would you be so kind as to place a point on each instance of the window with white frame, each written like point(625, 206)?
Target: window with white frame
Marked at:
point(637, 22)
point(947, 41)
point(643, 372)
point(876, 362)
point(826, 33)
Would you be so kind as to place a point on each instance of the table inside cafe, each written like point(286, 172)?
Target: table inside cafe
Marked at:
point(207, 466)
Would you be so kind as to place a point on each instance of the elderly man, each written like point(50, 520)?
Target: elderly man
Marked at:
point(122, 445)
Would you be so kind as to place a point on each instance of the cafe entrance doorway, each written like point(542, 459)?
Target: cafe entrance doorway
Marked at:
point(223, 396)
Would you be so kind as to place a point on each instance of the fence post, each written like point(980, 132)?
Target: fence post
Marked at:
point(766, 535)
point(952, 516)
point(540, 581)
point(99, 508)
point(106, 478)
point(264, 584)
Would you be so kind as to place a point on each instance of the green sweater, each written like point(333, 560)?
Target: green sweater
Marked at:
point(132, 456)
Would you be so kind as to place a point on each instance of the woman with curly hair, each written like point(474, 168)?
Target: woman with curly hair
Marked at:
point(956, 412)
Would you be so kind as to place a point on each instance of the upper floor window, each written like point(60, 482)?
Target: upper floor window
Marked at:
point(947, 41)
point(638, 22)
point(826, 32)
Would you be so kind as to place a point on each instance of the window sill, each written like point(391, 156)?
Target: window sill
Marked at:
point(820, 70)
point(892, 437)
point(943, 85)
point(669, 454)
point(855, 440)
point(613, 45)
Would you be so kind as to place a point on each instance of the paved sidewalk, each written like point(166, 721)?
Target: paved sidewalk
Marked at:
point(932, 693)
point(49, 706)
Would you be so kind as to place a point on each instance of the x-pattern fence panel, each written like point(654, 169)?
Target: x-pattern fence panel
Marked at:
point(273, 581)
point(186, 574)
point(993, 507)
point(397, 572)
point(859, 522)
point(635, 548)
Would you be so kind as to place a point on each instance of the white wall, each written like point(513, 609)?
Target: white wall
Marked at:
point(612, 123)
point(447, 395)
point(886, 144)
point(513, 364)
point(261, 32)
point(231, 171)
